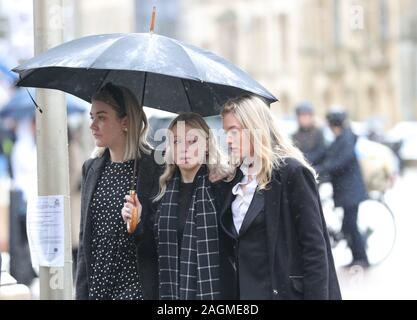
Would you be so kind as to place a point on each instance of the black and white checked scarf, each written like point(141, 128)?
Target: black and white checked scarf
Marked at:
point(196, 275)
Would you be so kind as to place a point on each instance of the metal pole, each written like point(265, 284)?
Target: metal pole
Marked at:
point(52, 147)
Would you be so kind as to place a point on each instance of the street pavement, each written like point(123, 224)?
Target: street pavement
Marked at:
point(396, 277)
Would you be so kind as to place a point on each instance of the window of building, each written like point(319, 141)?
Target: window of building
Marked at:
point(337, 24)
point(258, 43)
point(283, 37)
point(383, 20)
point(228, 33)
point(4, 27)
point(372, 101)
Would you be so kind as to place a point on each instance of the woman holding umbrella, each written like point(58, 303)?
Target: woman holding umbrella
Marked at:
point(271, 214)
point(109, 265)
point(185, 220)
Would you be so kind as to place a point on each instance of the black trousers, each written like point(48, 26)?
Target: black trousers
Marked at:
point(350, 230)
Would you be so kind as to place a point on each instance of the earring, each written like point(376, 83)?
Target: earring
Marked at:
point(125, 129)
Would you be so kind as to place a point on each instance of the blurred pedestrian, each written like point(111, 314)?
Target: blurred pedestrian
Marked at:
point(24, 188)
point(342, 167)
point(309, 138)
point(185, 222)
point(7, 139)
point(109, 265)
point(271, 213)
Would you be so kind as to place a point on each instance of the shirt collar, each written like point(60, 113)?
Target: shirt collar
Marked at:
point(237, 189)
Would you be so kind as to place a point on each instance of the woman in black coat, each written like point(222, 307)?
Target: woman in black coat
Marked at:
point(274, 237)
point(109, 265)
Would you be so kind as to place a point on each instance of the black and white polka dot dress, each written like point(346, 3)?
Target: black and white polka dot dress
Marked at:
point(114, 262)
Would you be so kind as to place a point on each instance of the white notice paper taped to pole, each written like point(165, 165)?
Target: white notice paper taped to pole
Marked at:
point(45, 229)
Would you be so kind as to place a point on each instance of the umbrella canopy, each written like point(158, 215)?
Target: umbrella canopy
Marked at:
point(21, 105)
point(164, 73)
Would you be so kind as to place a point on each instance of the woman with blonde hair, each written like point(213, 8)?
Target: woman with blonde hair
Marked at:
point(277, 242)
point(109, 265)
point(185, 220)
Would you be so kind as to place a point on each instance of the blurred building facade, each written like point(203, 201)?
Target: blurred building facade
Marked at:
point(103, 16)
point(359, 54)
point(107, 16)
point(16, 31)
point(363, 55)
point(79, 18)
point(259, 36)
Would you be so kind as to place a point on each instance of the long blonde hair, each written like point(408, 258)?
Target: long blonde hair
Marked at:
point(274, 147)
point(215, 159)
point(124, 102)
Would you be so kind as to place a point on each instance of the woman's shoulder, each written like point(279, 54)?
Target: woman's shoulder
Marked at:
point(89, 162)
point(289, 165)
point(147, 156)
point(290, 169)
point(149, 161)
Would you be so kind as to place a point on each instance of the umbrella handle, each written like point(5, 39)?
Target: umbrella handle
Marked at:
point(132, 224)
point(153, 19)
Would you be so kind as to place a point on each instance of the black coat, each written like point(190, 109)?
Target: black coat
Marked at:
point(300, 259)
point(147, 186)
point(341, 166)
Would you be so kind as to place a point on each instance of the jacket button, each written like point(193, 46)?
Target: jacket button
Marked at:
point(275, 292)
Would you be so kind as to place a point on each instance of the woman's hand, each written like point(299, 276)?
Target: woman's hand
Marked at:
point(131, 202)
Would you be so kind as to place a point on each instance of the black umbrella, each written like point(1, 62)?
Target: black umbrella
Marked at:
point(164, 73)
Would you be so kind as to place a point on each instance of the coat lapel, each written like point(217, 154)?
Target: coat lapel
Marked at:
point(226, 220)
point(91, 181)
point(255, 207)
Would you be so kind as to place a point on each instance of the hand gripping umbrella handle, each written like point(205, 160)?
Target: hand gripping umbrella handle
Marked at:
point(132, 224)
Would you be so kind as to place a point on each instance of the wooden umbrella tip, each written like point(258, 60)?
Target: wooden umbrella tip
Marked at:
point(153, 19)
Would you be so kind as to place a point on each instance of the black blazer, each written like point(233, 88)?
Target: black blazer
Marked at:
point(300, 259)
point(147, 186)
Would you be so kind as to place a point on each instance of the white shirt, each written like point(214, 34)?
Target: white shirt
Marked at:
point(243, 199)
